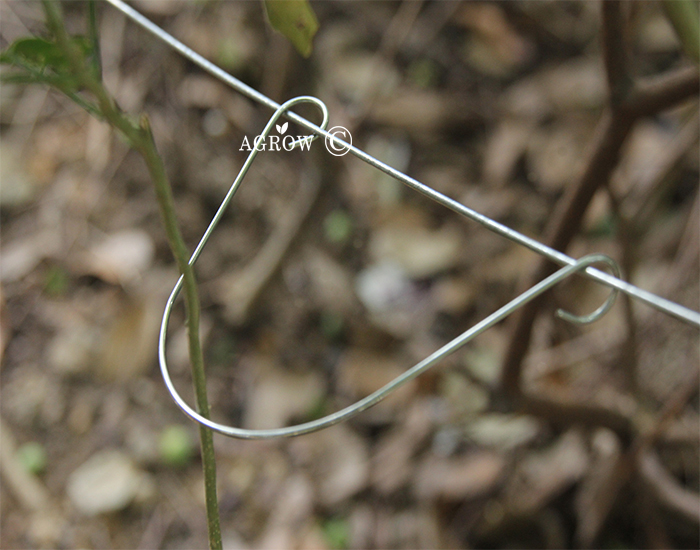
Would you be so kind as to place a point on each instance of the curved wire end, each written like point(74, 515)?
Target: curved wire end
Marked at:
point(305, 140)
point(582, 264)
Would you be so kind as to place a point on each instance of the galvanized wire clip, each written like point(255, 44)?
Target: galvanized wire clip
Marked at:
point(582, 266)
point(410, 374)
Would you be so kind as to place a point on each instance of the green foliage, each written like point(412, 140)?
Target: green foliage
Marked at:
point(294, 19)
point(32, 456)
point(176, 446)
point(71, 64)
point(40, 61)
point(336, 531)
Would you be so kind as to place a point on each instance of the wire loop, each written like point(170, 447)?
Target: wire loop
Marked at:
point(382, 393)
point(570, 264)
point(602, 310)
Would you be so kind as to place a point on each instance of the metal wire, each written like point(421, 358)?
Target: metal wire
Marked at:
point(667, 306)
point(425, 364)
point(413, 372)
point(571, 265)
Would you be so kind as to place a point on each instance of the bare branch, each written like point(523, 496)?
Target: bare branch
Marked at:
point(615, 54)
point(610, 136)
point(570, 413)
point(653, 95)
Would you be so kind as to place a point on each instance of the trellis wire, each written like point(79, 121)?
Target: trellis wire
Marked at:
point(571, 265)
point(410, 374)
point(662, 304)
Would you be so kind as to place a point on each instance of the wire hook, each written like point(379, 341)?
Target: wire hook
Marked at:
point(602, 310)
point(416, 370)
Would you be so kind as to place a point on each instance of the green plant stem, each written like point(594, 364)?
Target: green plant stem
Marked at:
point(683, 15)
point(140, 137)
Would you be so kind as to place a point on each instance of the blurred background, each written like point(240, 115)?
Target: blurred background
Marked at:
point(326, 279)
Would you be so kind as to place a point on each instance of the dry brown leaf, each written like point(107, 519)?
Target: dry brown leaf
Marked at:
point(405, 236)
point(18, 187)
point(421, 252)
point(577, 84)
point(458, 478)
point(201, 91)
point(502, 431)
point(506, 146)
point(361, 372)
point(73, 348)
point(122, 257)
point(655, 34)
point(421, 112)
point(279, 397)
point(129, 345)
point(648, 146)
point(392, 463)
point(600, 486)
point(338, 461)
point(553, 155)
point(496, 48)
point(408, 529)
point(107, 482)
point(331, 282)
point(543, 475)
point(160, 7)
point(454, 294)
point(292, 510)
point(21, 256)
point(354, 76)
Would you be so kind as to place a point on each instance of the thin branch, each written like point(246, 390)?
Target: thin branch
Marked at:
point(615, 54)
point(644, 99)
point(672, 408)
point(653, 95)
point(140, 137)
point(628, 243)
point(610, 136)
point(568, 413)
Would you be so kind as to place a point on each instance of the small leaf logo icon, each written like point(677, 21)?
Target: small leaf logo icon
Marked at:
point(282, 129)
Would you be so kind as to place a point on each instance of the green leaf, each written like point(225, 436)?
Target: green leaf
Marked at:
point(294, 19)
point(34, 52)
point(42, 62)
point(38, 53)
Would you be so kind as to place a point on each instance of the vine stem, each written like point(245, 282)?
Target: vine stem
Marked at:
point(140, 138)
